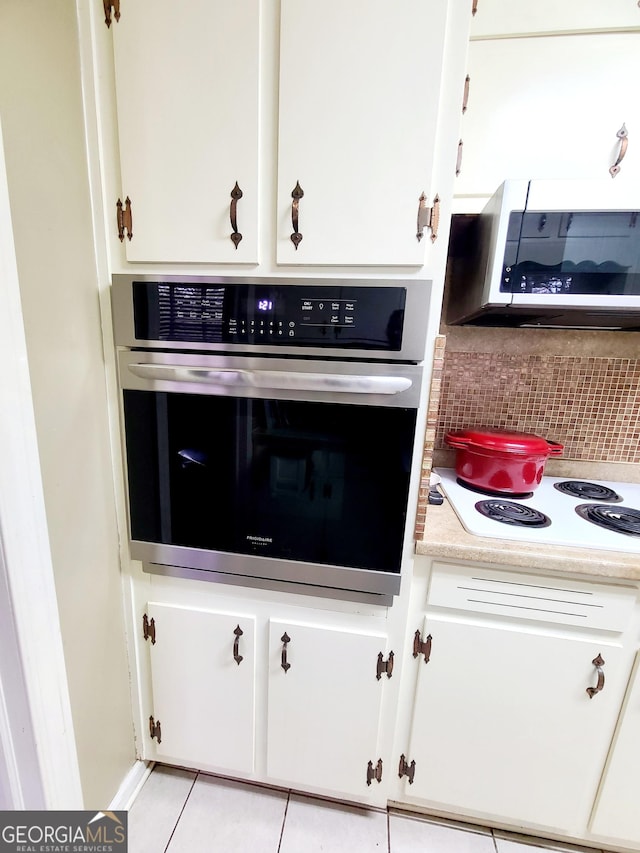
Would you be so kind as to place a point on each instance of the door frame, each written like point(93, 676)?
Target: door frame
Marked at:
point(37, 739)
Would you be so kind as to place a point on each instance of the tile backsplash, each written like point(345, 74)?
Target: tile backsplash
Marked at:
point(551, 383)
point(589, 404)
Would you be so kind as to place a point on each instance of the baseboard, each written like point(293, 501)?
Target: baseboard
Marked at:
point(131, 785)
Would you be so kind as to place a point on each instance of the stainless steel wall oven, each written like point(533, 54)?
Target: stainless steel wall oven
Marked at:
point(269, 427)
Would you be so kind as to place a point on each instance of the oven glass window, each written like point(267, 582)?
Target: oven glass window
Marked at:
point(557, 253)
point(314, 482)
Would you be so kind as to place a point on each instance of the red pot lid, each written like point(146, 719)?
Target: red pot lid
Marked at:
point(502, 440)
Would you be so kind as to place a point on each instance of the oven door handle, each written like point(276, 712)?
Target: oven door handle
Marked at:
point(274, 379)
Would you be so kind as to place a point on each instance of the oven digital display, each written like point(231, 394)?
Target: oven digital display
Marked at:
point(342, 317)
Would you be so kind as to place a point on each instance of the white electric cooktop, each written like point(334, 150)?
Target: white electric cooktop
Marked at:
point(563, 525)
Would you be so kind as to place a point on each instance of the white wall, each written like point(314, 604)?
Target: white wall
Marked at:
point(41, 108)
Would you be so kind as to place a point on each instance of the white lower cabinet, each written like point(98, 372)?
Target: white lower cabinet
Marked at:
point(617, 814)
point(511, 716)
point(324, 708)
point(203, 696)
point(220, 680)
point(517, 704)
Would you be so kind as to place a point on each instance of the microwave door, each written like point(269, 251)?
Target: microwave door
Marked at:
point(586, 259)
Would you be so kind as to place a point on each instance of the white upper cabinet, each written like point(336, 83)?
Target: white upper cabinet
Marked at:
point(358, 107)
point(522, 17)
point(551, 108)
point(354, 88)
point(187, 106)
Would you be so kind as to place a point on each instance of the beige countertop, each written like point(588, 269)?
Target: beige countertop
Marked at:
point(444, 536)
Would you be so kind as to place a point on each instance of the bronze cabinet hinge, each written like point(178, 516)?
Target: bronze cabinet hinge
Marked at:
point(374, 772)
point(124, 219)
point(154, 729)
point(428, 217)
point(149, 628)
point(420, 647)
point(459, 158)
point(465, 93)
point(406, 769)
point(108, 5)
point(384, 666)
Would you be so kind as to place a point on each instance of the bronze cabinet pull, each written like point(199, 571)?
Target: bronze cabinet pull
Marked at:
point(474, 7)
point(286, 639)
point(623, 136)
point(236, 195)
point(296, 195)
point(236, 645)
point(598, 662)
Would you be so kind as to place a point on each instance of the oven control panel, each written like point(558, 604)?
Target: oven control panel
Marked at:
point(327, 315)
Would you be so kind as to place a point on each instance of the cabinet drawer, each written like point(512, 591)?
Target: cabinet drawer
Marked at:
point(532, 597)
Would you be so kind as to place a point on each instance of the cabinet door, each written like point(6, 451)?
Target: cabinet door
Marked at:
point(324, 710)
point(359, 97)
point(503, 724)
point(202, 698)
point(521, 17)
point(617, 816)
point(187, 104)
point(550, 108)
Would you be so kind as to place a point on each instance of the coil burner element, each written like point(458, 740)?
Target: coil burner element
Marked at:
point(620, 519)
point(587, 491)
point(515, 514)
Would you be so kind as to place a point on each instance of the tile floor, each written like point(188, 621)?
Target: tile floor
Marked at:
point(179, 811)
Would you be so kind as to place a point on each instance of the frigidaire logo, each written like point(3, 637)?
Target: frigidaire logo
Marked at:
point(266, 540)
point(63, 832)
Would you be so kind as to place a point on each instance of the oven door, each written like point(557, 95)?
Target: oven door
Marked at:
point(294, 471)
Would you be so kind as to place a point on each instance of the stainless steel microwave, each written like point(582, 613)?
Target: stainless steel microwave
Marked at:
point(552, 254)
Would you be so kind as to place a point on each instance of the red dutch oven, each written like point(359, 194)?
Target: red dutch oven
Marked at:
point(500, 461)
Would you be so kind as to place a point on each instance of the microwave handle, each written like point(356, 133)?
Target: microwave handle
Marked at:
point(274, 379)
